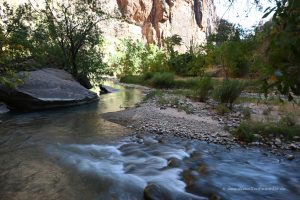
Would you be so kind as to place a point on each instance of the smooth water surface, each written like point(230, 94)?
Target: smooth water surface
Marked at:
point(74, 154)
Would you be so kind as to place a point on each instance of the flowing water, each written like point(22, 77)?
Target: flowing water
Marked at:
point(74, 154)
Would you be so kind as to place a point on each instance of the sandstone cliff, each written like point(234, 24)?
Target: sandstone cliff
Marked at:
point(154, 20)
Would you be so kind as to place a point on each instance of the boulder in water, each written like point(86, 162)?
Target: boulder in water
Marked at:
point(106, 89)
point(46, 88)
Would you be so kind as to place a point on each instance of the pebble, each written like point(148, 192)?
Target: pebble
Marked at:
point(255, 143)
point(277, 142)
point(296, 137)
point(188, 129)
point(290, 157)
point(292, 146)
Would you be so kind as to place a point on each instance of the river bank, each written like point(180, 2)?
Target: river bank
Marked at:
point(190, 119)
point(72, 153)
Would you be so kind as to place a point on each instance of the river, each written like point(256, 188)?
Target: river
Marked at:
point(73, 153)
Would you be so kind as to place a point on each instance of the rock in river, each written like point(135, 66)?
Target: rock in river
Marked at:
point(157, 192)
point(3, 108)
point(46, 88)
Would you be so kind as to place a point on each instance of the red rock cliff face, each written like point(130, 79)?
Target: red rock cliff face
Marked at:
point(193, 20)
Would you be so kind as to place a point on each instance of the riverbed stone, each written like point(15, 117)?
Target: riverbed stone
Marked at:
point(155, 192)
point(104, 89)
point(3, 108)
point(174, 162)
point(277, 142)
point(296, 138)
point(46, 88)
point(290, 157)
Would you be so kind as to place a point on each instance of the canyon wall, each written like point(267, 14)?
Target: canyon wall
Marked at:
point(153, 20)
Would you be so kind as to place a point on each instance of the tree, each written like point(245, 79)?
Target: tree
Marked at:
point(225, 31)
point(283, 64)
point(73, 26)
point(14, 41)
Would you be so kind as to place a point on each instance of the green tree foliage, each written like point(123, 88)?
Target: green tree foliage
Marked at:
point(231, 48)
point(64, 34)
point(225, 31)
point(283, 61)
point(73, 27)
point(14, 41)
point(135, 57)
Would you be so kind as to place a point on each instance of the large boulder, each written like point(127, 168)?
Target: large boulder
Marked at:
point(46, 88)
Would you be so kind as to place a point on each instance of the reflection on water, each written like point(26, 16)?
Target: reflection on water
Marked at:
point(74, 154)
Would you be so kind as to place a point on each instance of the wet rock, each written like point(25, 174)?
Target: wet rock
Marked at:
point(46, 88)
point(174, 162)
point(107, 89)
point(156, 192)
point(196, 155)
point(204, 188)
point(149, 141)
point(290, 157)
point(190, 177)
point(3, 108)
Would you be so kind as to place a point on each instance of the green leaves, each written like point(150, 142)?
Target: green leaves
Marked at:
point(284, 50)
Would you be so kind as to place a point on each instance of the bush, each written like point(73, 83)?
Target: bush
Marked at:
point(132, 79)
point(221, 109)
point(288, 120)
point(228, 92)
point(247, 130)
point(163, 80)
point(246, 113)
point(204, 86)
point(148, 75)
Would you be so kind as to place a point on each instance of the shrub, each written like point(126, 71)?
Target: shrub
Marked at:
point(245, 132)
point(163, 80)
point(288, 120)
point(246, 113)
point(221, 109)
point(148, 75)
point(228, 92)
point(132, 79)
point(204, 86)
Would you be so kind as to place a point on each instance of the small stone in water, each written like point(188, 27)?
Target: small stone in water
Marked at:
point(290, 157)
